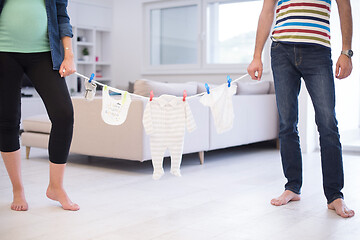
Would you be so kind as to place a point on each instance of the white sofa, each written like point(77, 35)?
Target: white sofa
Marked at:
point(256, 120)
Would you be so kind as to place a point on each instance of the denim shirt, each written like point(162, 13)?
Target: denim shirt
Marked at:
point(58, 27)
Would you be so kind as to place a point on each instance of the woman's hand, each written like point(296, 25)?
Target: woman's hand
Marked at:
point(67, 66)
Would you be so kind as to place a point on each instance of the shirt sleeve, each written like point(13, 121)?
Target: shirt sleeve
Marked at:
point(63, 18)
point(147, 121)
point(190, 122)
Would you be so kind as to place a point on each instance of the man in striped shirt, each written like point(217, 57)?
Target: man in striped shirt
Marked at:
point(301, 49)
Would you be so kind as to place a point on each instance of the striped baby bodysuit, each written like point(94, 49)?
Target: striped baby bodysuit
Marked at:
point(303, 21)
point(165, 119)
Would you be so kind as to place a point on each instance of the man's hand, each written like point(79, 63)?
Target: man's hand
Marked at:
point(343, 67)
point(255, 66)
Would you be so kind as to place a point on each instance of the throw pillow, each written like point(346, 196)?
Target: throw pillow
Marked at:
point(143, 87)
point(252, 88)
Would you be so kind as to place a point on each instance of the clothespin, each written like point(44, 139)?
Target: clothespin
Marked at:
point(91, 77)
point(228, 80)
point(184, 95)
point(151, 95)
point(207, 88)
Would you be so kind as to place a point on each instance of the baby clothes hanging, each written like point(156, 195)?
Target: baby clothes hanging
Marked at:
point(114, 111)
point(220, 102)
point(165, 119)
point(90, 90)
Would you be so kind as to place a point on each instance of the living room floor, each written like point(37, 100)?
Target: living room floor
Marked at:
point(226, 198)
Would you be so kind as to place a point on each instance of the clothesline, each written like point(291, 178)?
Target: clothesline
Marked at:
point(91, 79)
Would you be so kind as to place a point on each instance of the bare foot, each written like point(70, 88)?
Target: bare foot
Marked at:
point(284, 198)
point(340, 208)
point(59, 194)
point(19, 202)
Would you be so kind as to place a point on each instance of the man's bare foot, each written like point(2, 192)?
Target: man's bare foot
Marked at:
point(284, 198)
point(59, 194)
point(340, 208)
point(19, 202)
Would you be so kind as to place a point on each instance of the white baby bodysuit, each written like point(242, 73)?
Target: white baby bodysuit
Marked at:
point(165, 119)
point(114, 111)
point(220, 102)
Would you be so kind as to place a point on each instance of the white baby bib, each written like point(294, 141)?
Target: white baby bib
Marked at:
point(114, 111)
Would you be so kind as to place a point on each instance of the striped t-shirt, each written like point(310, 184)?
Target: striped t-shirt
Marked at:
point(303, 21)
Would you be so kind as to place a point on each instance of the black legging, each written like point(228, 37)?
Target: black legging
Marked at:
point(53, 91)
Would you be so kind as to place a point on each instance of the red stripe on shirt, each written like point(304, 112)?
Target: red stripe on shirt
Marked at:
point(301, 30)
point(303, 4)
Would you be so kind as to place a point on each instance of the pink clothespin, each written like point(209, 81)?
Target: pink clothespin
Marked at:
point(151, 95)
point(184, 95)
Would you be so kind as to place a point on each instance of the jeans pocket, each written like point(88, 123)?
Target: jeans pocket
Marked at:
point(275, 45)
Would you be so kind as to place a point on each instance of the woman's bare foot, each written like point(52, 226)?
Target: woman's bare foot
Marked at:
point(19, 202)
point(284, 198)
point(59, 194)
point(340, 208)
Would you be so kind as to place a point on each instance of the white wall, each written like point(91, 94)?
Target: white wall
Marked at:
point(347, 90)
point(128, 49)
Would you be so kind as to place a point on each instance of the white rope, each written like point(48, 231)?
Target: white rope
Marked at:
point(139, 96)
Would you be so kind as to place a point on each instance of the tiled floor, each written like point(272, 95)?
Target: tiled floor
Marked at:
point(226, 198)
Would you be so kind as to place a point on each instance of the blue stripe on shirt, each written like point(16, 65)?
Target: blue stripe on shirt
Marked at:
point(304, 24)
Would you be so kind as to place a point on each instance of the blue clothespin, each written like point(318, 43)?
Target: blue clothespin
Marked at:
point(91, 77)
point(228, 80)
point(207, 88)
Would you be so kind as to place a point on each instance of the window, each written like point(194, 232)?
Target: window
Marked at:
point(174, 35)
point(199, 35)
point(231, 31)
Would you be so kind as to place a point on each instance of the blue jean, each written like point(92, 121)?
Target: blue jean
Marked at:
point(290, 63)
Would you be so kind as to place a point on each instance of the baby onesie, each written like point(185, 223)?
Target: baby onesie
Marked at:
point(220, 102)
point(165, 119)
point(114, 111)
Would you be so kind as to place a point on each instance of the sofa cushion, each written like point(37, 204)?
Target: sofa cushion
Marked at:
point(253, 88)
point(143, 87)
point(37, 123)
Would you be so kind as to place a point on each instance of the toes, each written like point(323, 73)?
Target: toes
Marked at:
point(276, 202)
point(71, 207)
point(74, 207)
point(343, 214)
point(349, 213)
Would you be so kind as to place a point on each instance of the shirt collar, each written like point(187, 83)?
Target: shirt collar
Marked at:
point(168, 99)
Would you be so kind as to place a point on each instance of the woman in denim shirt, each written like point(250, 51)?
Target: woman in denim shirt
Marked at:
point(30, 34)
